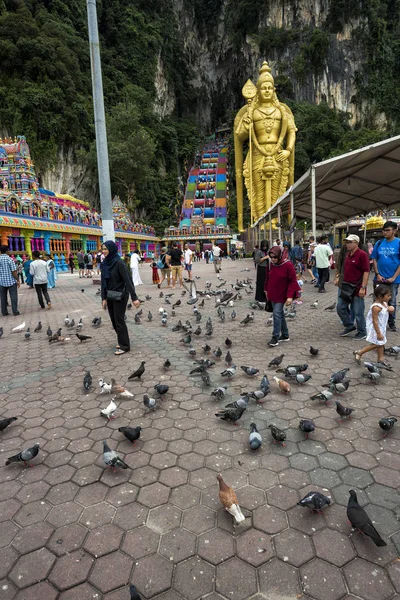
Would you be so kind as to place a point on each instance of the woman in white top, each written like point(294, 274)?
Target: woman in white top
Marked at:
point(135, 262)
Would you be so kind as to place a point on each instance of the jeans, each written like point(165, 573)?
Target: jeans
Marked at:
point(13, 296)
point(117, 310)
point(217, 264)
point(41, 290)
point(280, 325)
point(392, 302)
point(323, 277)
point(357, 309)
point(349, 309)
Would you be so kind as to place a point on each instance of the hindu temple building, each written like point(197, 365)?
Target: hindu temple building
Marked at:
point(32, 218)
point(204, 214)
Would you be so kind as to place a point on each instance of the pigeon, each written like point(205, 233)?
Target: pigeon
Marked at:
point(187, 339)
point(83, 338)
point(242, 402)
point(375, 367)
point(137, 319)
point(340, 387)
point(131, 433)
point(1, 332)
point(331, 307)
point(275, 362)
point(55, 337)
point(255, 439)
point(361, 521)
point(202, 368)
point(161, 389)
point(228, 343)
point(306, 426)
point(49, 332)
point(277, 434)
point(387, 424)
point(96, 322)
point(228, 358)
point(98, 293)
point(343, 411)
point(134, 593)
point(206, 379)
point(323, 396)
point(67, 320)
point(230, 414)
point(19, 328)
point(167, 364)
point(229, 372)
point(192, 352)
point(25, 456)
point(198, 331)
point(28, 334)
point(38, 327)
point(198, 319)
point(206, 348)
point(119, 390)
point(112, 460)
point(314, 304)
point(233, 315)
point(139, 371)
point(149, 403)
point(301, 378)
point(177, 303)
point(292, 370)
point(373, 376)
point(219, 392)
point(87, 381)
point(109, 410)
point(248, 319)
point(339, 375)
point(313, 351)
point(314, 500)
point(6, 422)
point(250, 371)
point(284, 386)
point(149, 316)
point(229, 500)
point(168, 301)
point(217, 353)
point(72, 324)
point(104, 386)
point(80, 325)
point(393, 350)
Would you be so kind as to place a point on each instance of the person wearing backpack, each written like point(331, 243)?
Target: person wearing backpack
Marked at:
point(164, 266)
point(386, 261)
point(81, 263)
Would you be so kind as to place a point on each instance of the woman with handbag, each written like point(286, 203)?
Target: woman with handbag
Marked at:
point(260, 262)
point(280, 289)
point(116, 285)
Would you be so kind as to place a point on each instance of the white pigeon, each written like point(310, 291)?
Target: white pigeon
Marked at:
point(161, 310)
point(19, 328)
point(109, 410)
point(67, 320)
point(314, 304)
point(104, 386)
point(230, 303)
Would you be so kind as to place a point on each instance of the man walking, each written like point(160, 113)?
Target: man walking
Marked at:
point(8, 282)
point(188, 261)
point(353, 289)
point(39, 270)
point(80, 257)
point(322, 255)
point(216, 250)
point(386, 260)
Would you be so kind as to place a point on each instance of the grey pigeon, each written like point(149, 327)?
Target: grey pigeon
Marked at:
point(228, 343)
point(49, 331)
point(387, 424)
point(339, 375)
point(38, 327)
point(149, 316)
point(313, 351)
point(229, 372)
point(112, 460)
point(373, 376)
point(275, 362)
point(149, 403)
point(219, 392)
point(241, 402)
point(228, 358)
point(230, 414)
point(361, 521)
point(137, 319)
point(1, 332)
point(340, 387)
point(301, 378)
point(206, 379)
point(6, 422)
point(343, 411)
point(28, 334)
point(255, 439)
point(131, 433)
point(139, 371)
point(87, 381)
point(161, 389)
point(307, 426)
point(277, 434)
point(134, 593)
point(250, 371)
point(323, 396)
point(233, 315)
point(314, 500)
point(25, 456)
point(167, 364)
point(292, 370)
point(331, 307)
point(218, 352)
point(206, 348)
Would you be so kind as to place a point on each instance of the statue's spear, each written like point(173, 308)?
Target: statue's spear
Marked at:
point(249, 91)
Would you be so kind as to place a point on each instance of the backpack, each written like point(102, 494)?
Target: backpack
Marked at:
point(86, 259)
point(161, 262)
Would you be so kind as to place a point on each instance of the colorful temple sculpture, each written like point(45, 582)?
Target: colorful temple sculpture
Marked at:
point(32, 218)
point(203, 218)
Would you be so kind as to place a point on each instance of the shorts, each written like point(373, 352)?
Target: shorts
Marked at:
point(89, 267)
point(176, 271)
point(81, 266)
point(188, 268)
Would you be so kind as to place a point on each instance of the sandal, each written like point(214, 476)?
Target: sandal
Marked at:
point(357, 357)
point(119, 352)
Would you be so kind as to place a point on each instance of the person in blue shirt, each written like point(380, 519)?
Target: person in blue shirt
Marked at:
point(386, 260)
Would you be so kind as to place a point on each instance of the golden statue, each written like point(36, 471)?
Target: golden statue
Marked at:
point(269, 128)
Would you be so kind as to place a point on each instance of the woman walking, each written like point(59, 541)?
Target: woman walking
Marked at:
point(280, 288)
point(165, 271)
point(52, 274)
point(261, 261)
point(28, 276)
point(116, 285)
point(71, 263)
point(135, 262)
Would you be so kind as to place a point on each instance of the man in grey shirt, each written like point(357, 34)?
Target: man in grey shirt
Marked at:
point(39, 269)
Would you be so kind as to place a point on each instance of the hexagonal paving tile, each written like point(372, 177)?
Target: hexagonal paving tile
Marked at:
point(356, 478)
point(140, 542)
point(368, 581)
point(269, 519)
point(334, 547)
point(202, 478)
point(254, 547)
point(32, 568)
point(325, 478)
point(39, 590)
point(103, 540)
point(293, 547)
point(111, 572)
point(193, 578)
point(131, 516)
point(178, 545)
point(185, 496)
point(199, 519)
point(173, 477)
point(164, 518)
point(99, 514)
point(63, 514)
point(282, 497)
point(153, 495)
point(71, 569)
point(236, 579)
point(279, 579)
point(322, 580)
point(152, 575)
point(305, 520)
point(215, 546)
point(32, 538)
point(67, 539)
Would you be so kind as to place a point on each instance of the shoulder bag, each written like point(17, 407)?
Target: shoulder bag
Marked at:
point(114, 296)
point(347, 290)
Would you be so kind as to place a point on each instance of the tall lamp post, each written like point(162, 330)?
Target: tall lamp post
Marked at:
point(100, 124)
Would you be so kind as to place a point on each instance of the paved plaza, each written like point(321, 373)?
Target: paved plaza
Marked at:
point(72, 530)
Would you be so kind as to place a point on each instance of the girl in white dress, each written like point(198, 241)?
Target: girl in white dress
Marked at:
point(377, 319)
point(135, 262)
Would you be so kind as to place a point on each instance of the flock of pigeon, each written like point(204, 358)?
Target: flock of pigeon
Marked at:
point(232, 412)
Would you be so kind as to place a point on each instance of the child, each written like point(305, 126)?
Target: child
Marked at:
point(377, 319)
point(156, 278)
point(300, 283)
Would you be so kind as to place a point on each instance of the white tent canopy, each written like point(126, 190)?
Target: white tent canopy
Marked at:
point(336, 189)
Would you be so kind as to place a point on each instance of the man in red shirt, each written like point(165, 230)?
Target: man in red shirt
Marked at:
point(356, 272)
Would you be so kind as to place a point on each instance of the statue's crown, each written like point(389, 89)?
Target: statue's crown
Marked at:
point(265, 73)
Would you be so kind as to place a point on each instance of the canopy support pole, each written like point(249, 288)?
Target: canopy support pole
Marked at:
point(291, 216)
point(279, 222)
point(270, 230)
point(313, 204)
point(365, 229)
